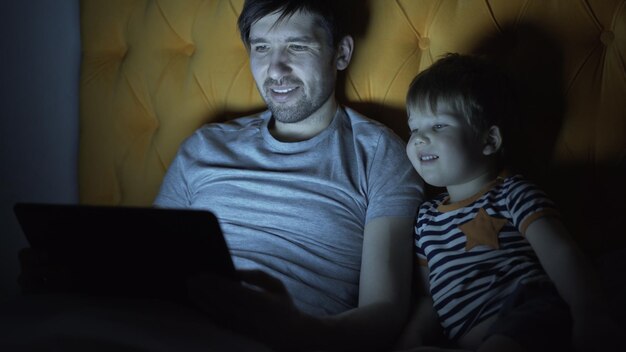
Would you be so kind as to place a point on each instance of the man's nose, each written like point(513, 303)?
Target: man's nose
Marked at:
point(279, 65)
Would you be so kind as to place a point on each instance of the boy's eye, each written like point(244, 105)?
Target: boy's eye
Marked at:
point(438, 126)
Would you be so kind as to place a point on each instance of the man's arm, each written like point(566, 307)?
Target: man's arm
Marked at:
point(384, 289)
point(265, 312)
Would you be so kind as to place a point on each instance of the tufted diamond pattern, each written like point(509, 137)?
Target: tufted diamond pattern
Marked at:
point(155, 70)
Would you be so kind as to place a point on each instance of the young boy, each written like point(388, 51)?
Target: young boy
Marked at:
point(502, 271)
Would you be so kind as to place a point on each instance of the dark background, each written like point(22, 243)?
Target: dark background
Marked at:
point(39, 71)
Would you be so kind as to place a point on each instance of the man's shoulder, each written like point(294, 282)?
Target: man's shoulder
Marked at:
point(367, 127)
point(358, 119)
point(236, 124)
point(218, 131)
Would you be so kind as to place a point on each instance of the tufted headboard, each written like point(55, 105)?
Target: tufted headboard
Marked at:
point(155, 70)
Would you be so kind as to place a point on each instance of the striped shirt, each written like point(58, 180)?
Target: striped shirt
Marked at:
point(476, 251)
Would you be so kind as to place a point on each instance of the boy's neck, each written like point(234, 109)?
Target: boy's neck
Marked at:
point(466, 190)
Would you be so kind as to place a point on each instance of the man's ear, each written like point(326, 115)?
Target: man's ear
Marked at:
point(344, 52)
point(493, 141)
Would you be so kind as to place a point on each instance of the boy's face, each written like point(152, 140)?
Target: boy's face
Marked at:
point(444, 149)
point(293, 65)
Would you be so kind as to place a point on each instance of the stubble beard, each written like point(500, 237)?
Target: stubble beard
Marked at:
point(296, 111)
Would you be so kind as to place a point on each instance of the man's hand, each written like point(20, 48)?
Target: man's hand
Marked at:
point(258, 306)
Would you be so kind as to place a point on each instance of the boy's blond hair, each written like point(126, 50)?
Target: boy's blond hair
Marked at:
point(471, 86)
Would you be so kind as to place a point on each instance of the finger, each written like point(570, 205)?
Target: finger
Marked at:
point(225, 303)
point(203, 285)
point(215, 293)
point(204, 292)
point(263, 280)
point(209, 289)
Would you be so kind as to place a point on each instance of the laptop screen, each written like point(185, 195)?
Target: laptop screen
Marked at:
point(139, 252)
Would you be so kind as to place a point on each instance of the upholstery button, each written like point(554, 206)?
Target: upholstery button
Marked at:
point(189, 49)
point(424, 43)
point(607, 37)
point(122, 53)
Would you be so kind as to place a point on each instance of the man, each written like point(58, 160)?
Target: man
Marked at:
point(316, 202)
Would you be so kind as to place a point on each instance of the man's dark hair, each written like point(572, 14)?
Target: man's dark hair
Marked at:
point(328, 12)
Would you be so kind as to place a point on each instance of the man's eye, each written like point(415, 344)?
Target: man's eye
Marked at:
point(296, 47)
point(438, 126)
point(413, 130)
point(261, 48)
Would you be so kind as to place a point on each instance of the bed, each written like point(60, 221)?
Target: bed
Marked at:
point(152, 71)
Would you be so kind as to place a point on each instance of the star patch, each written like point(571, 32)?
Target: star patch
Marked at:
point(482, 230)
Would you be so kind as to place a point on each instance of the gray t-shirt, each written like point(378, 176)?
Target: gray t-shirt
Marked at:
point(296, 210)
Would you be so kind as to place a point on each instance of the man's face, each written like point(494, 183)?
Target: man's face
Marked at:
point(293, 66)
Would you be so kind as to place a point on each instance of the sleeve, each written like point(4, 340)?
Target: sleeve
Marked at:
point(395, 188)
point(527, 203)
point(175, 189)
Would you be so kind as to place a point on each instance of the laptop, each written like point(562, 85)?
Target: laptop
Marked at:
point(132, 252)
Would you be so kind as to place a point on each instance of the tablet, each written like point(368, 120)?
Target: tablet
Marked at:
point(141, 252)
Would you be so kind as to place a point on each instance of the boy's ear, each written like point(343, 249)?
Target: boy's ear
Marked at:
point(493, 141)
point(344, 52)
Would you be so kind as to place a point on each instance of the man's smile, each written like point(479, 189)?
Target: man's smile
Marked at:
point(283, 94)
point(282, 91)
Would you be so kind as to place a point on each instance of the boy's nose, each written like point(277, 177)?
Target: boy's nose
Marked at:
point(420, 138)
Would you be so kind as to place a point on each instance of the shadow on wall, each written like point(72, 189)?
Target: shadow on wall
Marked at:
point(589, 195)
point(535, 62)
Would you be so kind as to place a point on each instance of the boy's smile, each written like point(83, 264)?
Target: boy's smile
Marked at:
point(445, 150)
point(427, 157)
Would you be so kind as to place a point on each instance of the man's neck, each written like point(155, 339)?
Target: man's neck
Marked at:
point(307, 128)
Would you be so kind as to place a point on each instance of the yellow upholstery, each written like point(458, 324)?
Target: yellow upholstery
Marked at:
point(155, 70)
